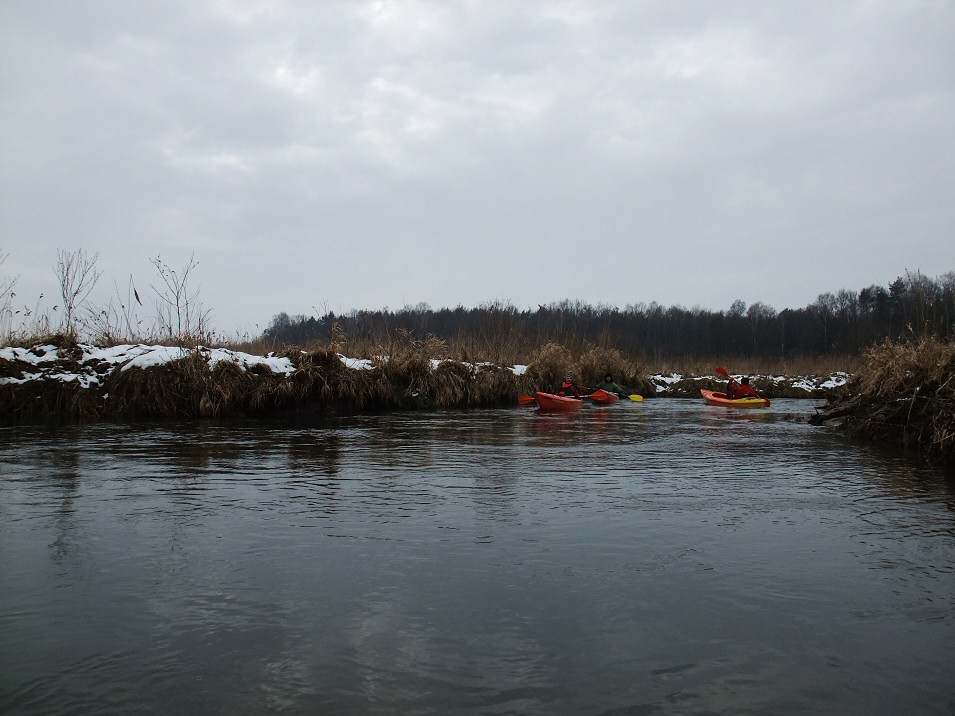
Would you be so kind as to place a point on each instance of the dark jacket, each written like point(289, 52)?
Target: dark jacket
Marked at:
point(609, 386)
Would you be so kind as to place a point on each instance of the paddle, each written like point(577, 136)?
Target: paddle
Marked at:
point(720, 370)
point(528, 399)
point(636, 398)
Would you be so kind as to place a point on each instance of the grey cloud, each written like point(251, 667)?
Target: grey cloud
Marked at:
point(363, 154)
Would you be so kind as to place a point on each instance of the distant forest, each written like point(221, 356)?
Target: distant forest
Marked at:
point(836, 324)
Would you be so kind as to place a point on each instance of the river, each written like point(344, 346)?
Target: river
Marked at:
point(663, 557)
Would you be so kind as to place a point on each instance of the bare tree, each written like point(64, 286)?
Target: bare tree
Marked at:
point(77, 275)
point(181, 315)
point(758, 313)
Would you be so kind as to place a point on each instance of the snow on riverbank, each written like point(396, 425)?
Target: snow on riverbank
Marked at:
point(667, 383)
point(89, 365)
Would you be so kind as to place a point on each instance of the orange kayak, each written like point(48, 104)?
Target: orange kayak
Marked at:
point(603, 397)
point(714, 398)
point(549, 401)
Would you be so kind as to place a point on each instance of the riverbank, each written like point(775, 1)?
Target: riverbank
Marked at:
point(65, 380)
point(904, 394)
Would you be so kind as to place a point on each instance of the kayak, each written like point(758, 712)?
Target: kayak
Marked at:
point(714, 398)
point(603, 397)
point(549, 401)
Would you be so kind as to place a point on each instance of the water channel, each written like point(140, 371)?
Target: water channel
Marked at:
point(663, 557)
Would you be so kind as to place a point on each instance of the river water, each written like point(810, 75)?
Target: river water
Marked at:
point(663, 557)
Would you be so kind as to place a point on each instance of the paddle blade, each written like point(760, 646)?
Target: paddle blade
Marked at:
point(720, 370)
point(637, 398)
point(525, 399)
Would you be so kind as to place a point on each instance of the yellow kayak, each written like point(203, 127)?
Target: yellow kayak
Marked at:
point(714, 398)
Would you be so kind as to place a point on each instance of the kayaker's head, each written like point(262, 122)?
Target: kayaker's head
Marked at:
point(744, 381)
point(608, 378)
point(569, 378)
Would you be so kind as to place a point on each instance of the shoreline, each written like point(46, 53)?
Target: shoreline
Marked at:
point(76, 381)
point(903, 394)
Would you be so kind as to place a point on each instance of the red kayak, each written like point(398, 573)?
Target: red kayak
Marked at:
point(549, 401)
point(603, 397)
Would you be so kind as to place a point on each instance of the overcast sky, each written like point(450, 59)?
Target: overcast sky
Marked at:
point(320, 156)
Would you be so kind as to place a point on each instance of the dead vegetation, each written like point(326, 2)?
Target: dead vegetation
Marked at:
point(63, 382)
point(904, 394)
point(191, 386)
point(552, 361)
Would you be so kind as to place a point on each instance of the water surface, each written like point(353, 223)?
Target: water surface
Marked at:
point(663, 557)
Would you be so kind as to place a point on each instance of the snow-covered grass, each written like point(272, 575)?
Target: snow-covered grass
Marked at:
point(88, 365)
point(676, 383)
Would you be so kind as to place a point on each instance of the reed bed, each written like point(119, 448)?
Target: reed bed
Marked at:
point(550, 364)
point(41, 400)
point(904, 393)
point(190, 386)
point(404, 373)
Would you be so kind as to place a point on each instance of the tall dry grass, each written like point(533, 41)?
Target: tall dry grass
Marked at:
point(548, 365)
point(903, 393)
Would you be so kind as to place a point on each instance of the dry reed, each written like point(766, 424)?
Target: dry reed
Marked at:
point(552, 361)
point(405, 374)
point(904, 393)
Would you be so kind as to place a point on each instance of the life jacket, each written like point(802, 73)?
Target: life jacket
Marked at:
point(568, 389)
point(743, 390)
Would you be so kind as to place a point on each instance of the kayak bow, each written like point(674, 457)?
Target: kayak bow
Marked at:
point(603, 397)
point(549, 401)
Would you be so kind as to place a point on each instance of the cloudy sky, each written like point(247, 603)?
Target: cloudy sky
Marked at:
point(319, 156)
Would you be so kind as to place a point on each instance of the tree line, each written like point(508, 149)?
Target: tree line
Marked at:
point(835, 324)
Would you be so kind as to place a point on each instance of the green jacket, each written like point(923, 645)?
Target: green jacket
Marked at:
point(609, 386)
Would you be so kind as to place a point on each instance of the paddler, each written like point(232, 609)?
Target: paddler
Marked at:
point(609, 385)
point(740, 390)
point(568, 387)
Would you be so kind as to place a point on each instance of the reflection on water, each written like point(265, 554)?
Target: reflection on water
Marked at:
point(657, 557)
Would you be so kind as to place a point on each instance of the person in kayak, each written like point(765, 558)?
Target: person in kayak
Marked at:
point(742, 389)
point(568, 388)
point(609, 386)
